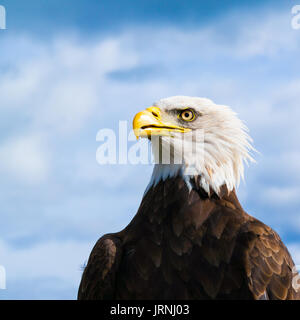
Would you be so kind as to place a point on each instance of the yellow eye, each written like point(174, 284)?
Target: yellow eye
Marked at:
point(187, 115)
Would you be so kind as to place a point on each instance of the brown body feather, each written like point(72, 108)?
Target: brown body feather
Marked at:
point(189, 245)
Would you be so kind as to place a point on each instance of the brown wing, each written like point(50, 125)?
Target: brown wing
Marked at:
point(268, 264)
point(98, 279)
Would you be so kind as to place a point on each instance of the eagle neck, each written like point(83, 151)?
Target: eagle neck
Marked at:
point(173, 185)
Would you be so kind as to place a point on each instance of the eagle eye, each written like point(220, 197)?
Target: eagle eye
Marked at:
point(187, 115)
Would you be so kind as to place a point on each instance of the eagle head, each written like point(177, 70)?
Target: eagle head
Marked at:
point(195, 137)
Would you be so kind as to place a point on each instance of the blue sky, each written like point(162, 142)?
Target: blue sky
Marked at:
point(105, 16)
point(70, 68)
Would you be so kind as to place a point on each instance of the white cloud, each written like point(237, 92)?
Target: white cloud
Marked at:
point(25, 158)
point(62, 260)
point(68, 106)
point(265, 33)
point(61, 87)
point(282, 195)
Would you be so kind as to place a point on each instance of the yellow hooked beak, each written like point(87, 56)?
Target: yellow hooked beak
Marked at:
point(149, 123)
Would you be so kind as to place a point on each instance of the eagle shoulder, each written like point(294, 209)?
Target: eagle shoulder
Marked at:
point(99, 276)
point(268, 265)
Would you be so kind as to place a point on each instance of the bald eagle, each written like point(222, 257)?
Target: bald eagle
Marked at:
point(191, 238)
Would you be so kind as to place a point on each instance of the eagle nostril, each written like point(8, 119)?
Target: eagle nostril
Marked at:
point(154, 111)
point(155, 114)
